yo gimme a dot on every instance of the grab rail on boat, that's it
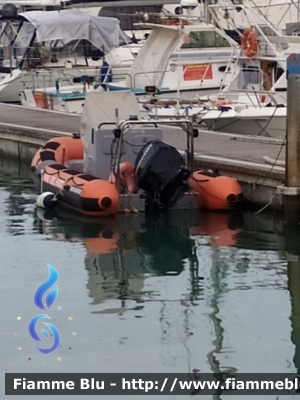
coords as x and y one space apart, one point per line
123 126
149 72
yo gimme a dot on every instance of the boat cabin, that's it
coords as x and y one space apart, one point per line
194 55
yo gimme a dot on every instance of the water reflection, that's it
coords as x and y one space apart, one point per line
124 250
20 194
270 231
294 288
220 286
218 229
264 231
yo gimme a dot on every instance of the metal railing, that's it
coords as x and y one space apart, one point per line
135 76
123 126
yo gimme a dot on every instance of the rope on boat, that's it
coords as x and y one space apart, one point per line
264 128
274 163
275 196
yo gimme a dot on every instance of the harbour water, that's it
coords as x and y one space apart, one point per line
212 292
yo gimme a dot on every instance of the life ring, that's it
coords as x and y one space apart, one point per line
249 43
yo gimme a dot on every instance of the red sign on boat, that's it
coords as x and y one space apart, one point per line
197 72
41 100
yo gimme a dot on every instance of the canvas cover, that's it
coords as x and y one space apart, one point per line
67 25
100 106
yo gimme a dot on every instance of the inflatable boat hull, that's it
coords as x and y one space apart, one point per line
95 197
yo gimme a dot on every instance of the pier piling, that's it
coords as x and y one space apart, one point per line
291 191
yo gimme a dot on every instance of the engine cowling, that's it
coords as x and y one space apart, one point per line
160 172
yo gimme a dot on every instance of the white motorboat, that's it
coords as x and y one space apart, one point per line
254 101
71 99
256 121
246 109
39 48
180 55
68 99
187 56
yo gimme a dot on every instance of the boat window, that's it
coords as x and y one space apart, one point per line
278 72
9 31
130 15
205 39
2 27
250 78
8 54
76 51
22 40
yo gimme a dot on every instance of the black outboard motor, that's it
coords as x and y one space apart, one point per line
159 172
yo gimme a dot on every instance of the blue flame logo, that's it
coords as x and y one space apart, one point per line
49 300
42 289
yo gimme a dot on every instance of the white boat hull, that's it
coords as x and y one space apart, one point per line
18 80
53 101
266 121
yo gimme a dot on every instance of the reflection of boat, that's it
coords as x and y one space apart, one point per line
221 228
236 281
125 166
122 251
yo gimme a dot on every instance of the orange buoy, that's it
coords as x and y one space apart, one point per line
126 175
249 43
215 192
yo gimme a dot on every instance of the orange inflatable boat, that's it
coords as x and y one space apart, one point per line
155 176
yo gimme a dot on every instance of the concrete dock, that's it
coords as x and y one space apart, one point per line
24 130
